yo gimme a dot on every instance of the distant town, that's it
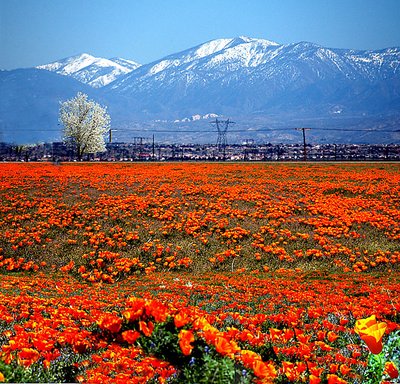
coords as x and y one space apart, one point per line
246 151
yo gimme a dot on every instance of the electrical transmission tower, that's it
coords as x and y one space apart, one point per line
222 127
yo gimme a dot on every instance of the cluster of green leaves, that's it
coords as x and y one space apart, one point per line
203 365
65 369
374 373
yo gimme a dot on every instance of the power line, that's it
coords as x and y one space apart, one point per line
232 130
257 130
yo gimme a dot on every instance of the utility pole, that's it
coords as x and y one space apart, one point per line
110 135
248 148
138 143
304 141
153 148
222 127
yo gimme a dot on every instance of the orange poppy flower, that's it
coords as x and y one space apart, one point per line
314 379
28 356
391 370
225 347
146 328
332 336
371 332
344 369
333 368
110 323
157 310
186 338
289 370
135 309
130 336
264 370
181 319
249 357
333 379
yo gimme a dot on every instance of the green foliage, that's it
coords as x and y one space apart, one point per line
14 373
203 365
62 370
374 373
267 353
375 368
210 368
163 343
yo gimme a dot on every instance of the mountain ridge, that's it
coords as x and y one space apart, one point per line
259 75
260 83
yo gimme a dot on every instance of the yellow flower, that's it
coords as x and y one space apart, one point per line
371 332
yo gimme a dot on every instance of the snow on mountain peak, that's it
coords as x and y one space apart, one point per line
215 46
237 51
211 47
263 42
125 63
95 71
246 39
245 51
70 65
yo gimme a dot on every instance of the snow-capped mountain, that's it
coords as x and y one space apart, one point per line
258 83
246 75
216 57
94 71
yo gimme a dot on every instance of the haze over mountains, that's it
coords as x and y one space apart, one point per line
266 87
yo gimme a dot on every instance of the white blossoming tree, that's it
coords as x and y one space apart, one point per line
85 124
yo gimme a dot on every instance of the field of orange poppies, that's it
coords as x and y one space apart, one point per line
199 273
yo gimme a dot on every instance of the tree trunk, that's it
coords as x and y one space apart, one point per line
79 151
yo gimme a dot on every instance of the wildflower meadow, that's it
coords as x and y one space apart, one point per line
200 272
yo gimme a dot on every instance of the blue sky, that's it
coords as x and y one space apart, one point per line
34 32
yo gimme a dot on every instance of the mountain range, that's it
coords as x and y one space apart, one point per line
267 88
